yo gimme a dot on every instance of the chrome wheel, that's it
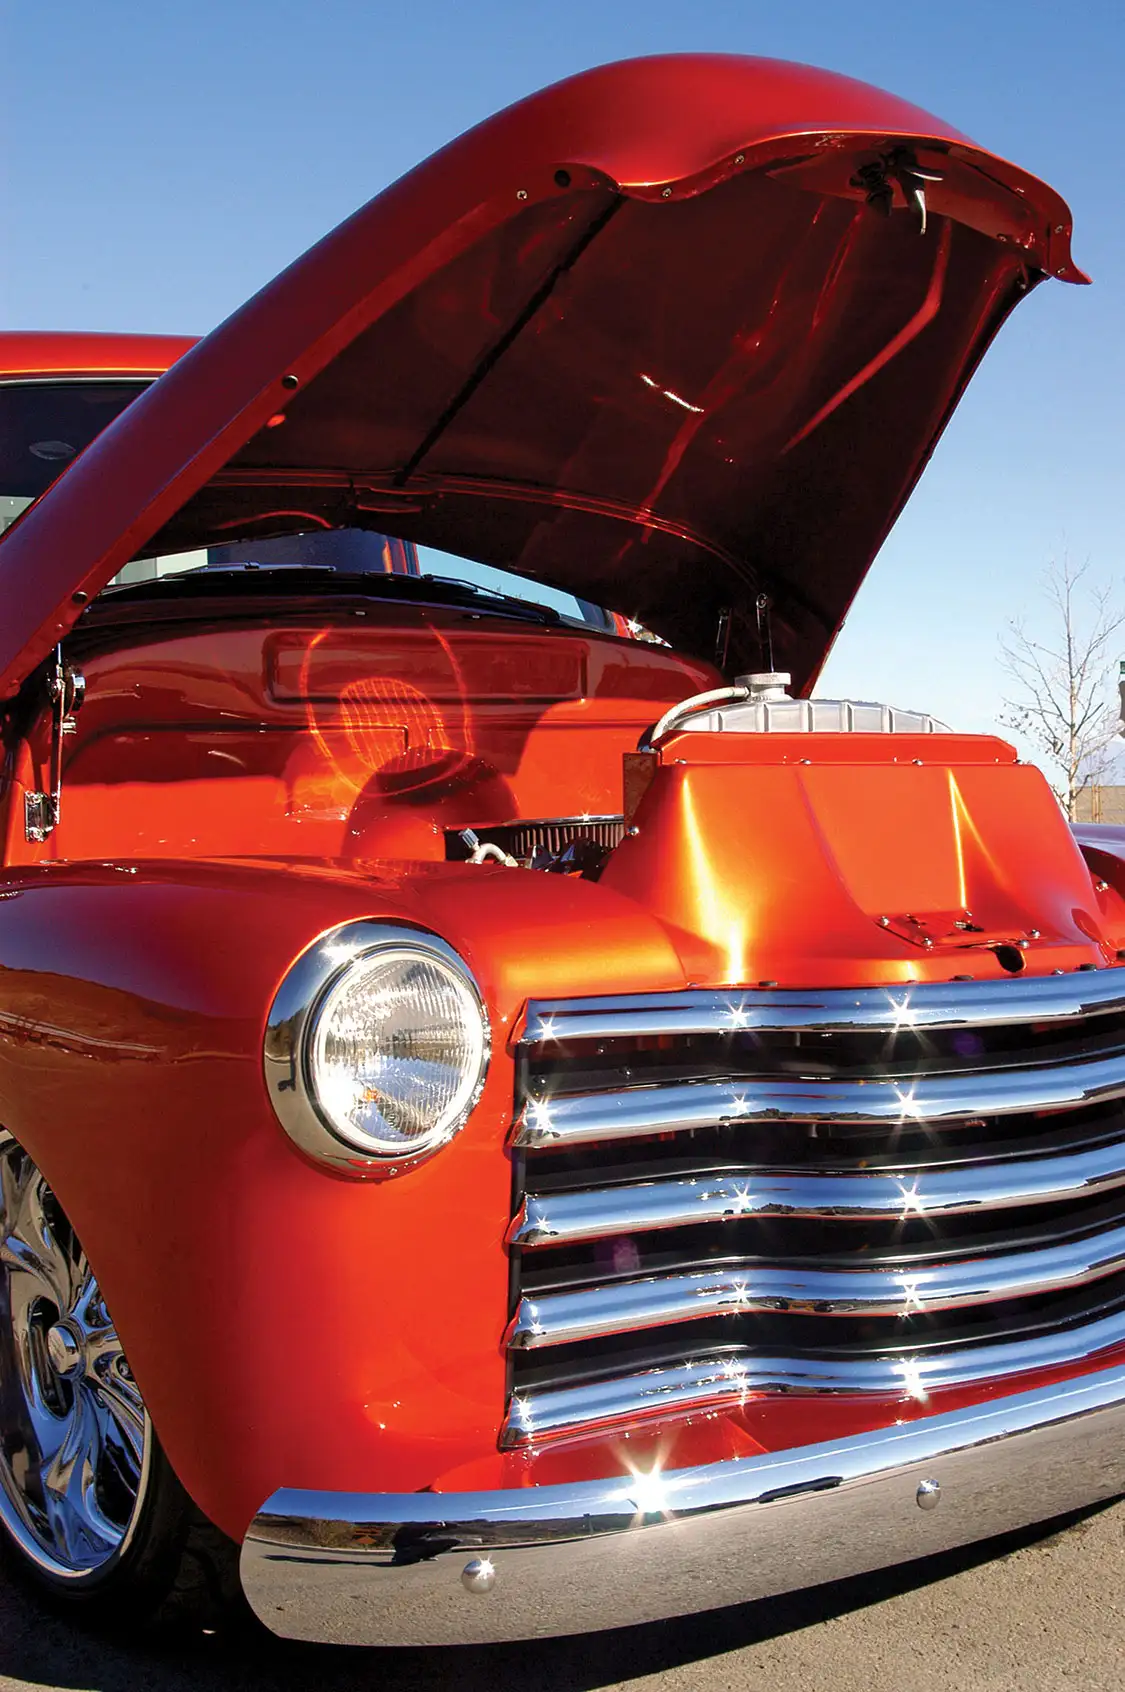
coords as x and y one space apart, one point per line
75 1441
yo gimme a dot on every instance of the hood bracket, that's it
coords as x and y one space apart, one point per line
898 168
66 689
494 354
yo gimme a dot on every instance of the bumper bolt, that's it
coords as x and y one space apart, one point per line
929 1495
479 1575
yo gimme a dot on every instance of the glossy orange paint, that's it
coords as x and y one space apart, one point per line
825 859
356 735
132 1072
48 353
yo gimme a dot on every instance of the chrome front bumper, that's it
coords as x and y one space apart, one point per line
430 1568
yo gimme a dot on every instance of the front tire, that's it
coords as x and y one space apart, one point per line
91 1513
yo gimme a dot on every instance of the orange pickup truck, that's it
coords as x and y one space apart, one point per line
507 1127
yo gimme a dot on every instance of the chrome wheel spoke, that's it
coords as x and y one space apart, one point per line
31 1422
43 1428
11 1168
119 1404
104 1356
29 1242
70 1493
86 1302
17 1254
35 1234
73 1429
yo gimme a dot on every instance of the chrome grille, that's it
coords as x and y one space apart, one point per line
729 1194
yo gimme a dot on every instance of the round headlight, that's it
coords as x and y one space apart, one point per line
376 1048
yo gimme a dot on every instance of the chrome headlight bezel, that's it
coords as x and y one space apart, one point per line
292 1024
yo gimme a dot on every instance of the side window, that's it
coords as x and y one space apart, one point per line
44 425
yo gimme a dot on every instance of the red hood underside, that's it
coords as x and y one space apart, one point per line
671 336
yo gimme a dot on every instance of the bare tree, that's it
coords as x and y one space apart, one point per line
1062 699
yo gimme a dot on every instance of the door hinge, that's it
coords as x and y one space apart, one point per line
66 689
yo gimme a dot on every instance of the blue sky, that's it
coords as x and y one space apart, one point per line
159 163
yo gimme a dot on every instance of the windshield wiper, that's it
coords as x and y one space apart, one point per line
235 580
547 612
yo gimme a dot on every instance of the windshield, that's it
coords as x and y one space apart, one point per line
44 424
324 557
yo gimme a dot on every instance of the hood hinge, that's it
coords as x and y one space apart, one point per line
66 689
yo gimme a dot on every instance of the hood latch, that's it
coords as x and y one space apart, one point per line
66 689
898 168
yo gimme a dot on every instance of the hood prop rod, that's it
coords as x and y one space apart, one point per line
66 689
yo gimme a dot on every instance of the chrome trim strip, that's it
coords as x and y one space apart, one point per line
581 820
748 1285
940 1004
682 1106
84 378
546 1219
718 1380
439 1568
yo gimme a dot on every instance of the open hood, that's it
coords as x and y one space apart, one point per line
676 335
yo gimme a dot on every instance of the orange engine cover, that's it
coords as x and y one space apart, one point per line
809 859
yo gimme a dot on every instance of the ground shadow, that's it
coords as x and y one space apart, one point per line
39 1649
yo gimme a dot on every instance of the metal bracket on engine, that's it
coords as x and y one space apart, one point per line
66 690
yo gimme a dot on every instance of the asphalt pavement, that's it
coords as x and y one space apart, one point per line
1039 1611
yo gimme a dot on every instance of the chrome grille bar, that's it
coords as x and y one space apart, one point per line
962 1196
945 1004
567 1218
749 1286
736 1376
684 1106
